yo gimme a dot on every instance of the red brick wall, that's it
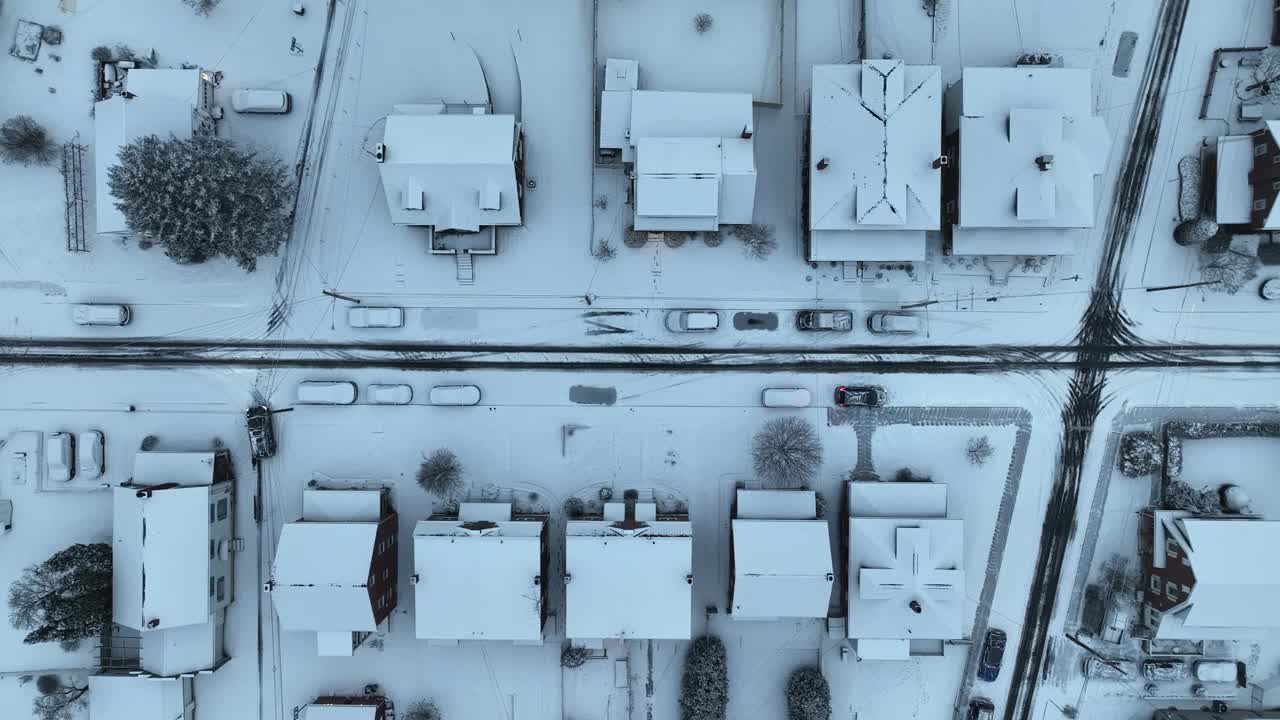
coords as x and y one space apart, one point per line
383 573
1264 177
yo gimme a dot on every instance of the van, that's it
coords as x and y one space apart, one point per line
785 397
101 314
888 322
326 392
246 100
455 395
59 454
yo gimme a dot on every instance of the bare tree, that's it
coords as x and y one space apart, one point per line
57 701
760 240
23 140
604 251
1228 270
65 598
423 710
702 22
202 7
979 450
786 452
441 473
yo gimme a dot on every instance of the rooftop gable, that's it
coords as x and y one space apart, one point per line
782 568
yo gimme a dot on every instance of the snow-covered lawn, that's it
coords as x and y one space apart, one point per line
1242 461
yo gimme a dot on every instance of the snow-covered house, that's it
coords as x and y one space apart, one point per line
163 102
628 576
1247 179
906 570
481 576
781 562
454 171
123 696
1208 578
874 167
691 154
336 707
172 570
335 569
1025 149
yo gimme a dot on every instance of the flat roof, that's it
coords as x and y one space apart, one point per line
777 504
1237 579
321 576
118 122
184 468
1233 194
340 712
342 505
478 584
897 499
135 697
782 568
656 113
894 562
628 586
181 84
160 557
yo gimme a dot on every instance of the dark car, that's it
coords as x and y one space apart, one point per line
992 654
981 709
860 396
825 320
262 436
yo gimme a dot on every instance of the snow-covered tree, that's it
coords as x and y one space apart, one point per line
202 7
702 22
1228 270
786 452
704 689
203 198
1141 453
979 450
57 701
759 240
808 695
65 598
423 710
440 473
25 141
1181 496
574 656
1190 233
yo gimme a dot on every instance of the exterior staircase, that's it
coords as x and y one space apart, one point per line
466 268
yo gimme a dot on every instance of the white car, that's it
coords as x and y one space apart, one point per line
59 456
692 320
326 392
455 395
893 323
89 458
390 394
375 317
1216 671
101 314
246 100
786 397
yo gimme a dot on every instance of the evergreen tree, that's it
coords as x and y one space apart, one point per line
704 689
203 198
808 695
65 598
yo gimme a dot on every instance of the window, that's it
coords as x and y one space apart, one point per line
386 574
1259 150
1275 185
222 588
1260 204
210 514
392 540
1171 547
1171 590
381 547
212 549
1155 583
210 587
1275 159
222 509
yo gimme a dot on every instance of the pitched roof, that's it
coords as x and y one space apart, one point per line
894 562
321 576
656 113
118 122
1237 581
160 557
782 568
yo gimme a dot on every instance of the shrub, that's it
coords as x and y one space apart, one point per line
23 140
573 656
102 54
635 238
808 695
423 710
712 238
440 473
1181 496
604 251
906 474
704 689
574 508
786 452
674 240
702 22
149 443
1226 269
51 35
759 240
606 494
202 7
979 450
601 202
1140 454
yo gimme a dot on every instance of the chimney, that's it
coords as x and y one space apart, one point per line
940 162
915 607
746 132
823 164
1044 162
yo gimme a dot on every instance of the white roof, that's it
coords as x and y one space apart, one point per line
1237 575
628 586
1233 195
782 568
185 649
478 584
321 576
896 561
777 504
118 122
621 74
1009 118
451 171
340 712
160 557
183 468
879 125
689 114
135 697
169 83
342 505
620 78
897 499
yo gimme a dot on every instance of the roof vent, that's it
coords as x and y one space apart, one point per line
1044 162
480 527
823 164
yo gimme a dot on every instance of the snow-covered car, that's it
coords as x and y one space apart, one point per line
248 100
1117 622
262 435
860 396
1164 670
59 456
454 395
326 392
888 322
682 321
101 314
89 457
1116 670
1216 671
390 394
785 397
824 320
375 317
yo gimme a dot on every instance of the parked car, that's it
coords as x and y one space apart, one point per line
6 516
262 433
454 395
248 100
1117 670
992 655
89 455
390 394
893 323
1222 671
1164 670
860 396
1117 622
828 320
785 397
981 709
59 456
326 392
360 316
101 314
692 320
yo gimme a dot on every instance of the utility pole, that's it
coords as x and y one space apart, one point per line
340 296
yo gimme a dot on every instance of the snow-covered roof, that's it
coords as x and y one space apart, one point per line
1030 148
656 113
878 125
160 557
620 78
781 568
170 83
183 468
118 122
136 697
451 171
342 505
1233 196
185 649
776 504
340 712
478 580
897 499
321 576
633 585
1273 216
1237 581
